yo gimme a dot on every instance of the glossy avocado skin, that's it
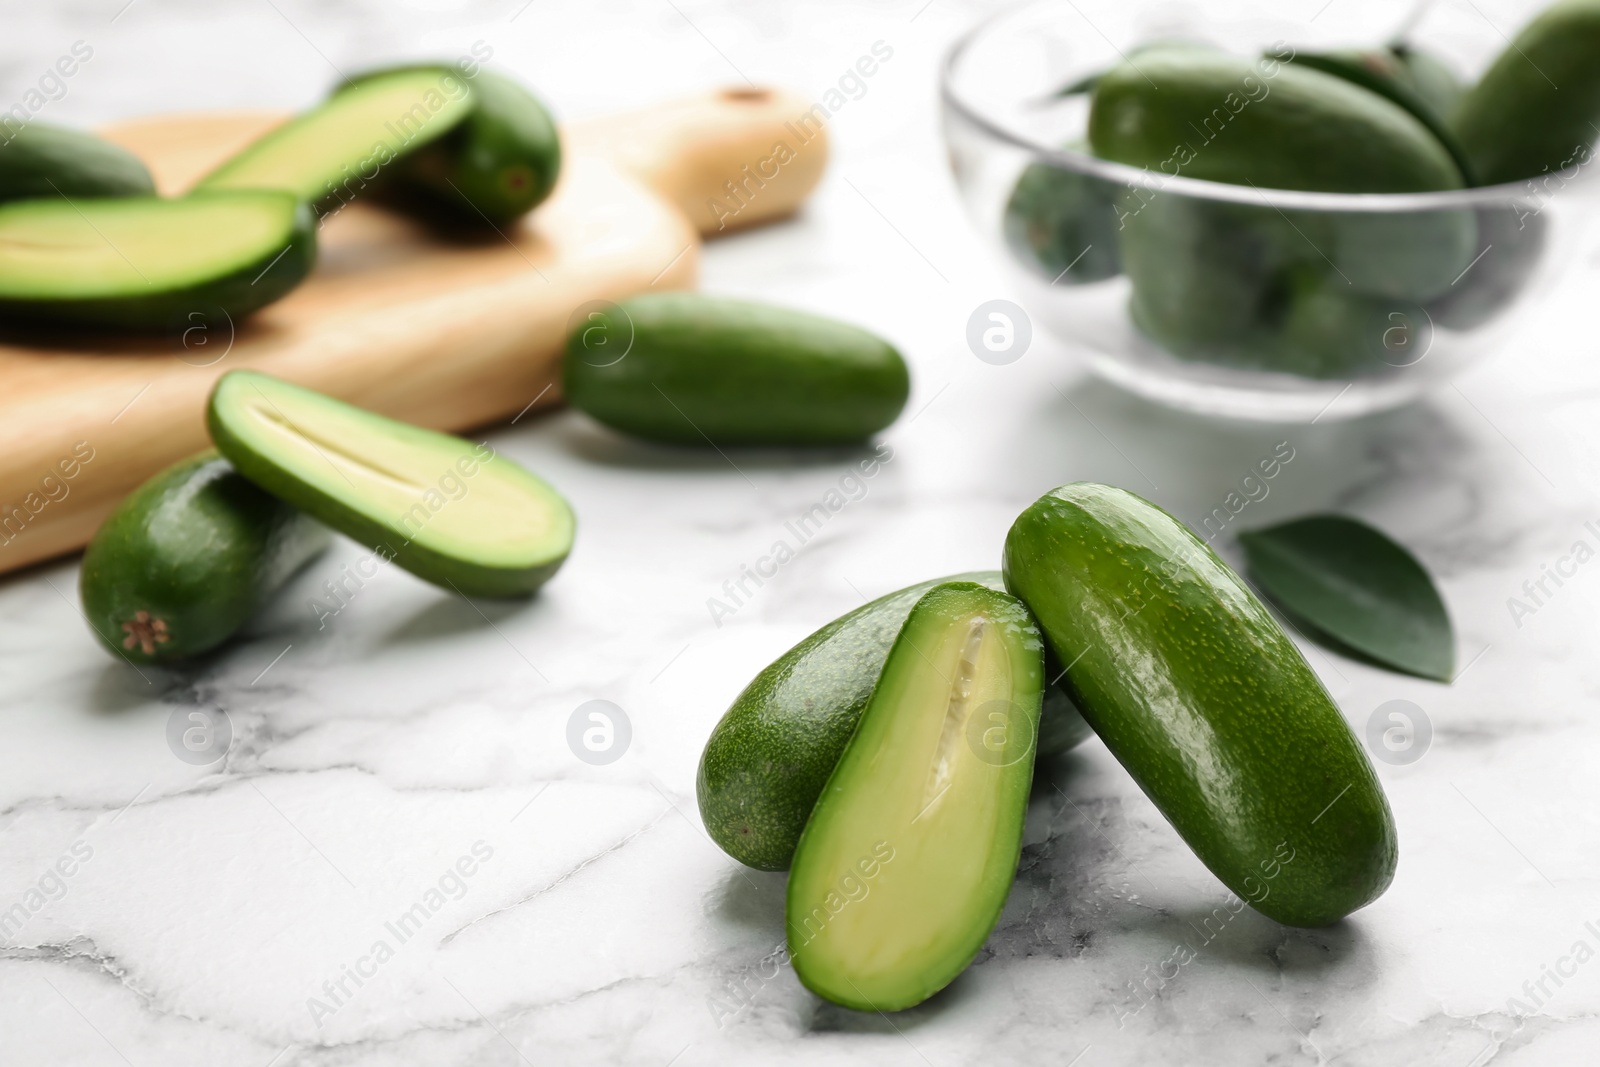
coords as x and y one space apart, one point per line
1222 118
500 163
1317 294
236 294
681 368
188 558
40 160
496 165
768 758
1535 109
1197 691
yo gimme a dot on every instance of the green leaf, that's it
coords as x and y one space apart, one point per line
1355 588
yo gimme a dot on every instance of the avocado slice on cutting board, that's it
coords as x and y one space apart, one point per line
447 510
187 558
144 263
1199 693
911 851
338 149
44 161
771 753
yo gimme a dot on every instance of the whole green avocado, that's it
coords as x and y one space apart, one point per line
1537 107
1198 692
187 558
1203 113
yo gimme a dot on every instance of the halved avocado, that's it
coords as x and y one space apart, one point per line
42 161
335 151
144 262
447 510
911 851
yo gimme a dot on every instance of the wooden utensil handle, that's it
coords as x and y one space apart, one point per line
728 159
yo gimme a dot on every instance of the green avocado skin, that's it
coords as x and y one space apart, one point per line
1415 80
768 759
1208 704
1063 226
51 161
496 165
681 368
197 550
1535 109
236 294
1200 113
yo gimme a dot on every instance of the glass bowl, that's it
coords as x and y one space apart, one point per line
1225 299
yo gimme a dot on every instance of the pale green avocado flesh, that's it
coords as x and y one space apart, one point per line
334 150
450 511
910 853
144 262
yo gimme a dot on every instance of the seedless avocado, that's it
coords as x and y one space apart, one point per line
1062 225
145 263
1415 80
43 161
1537 106
334 152
770 755
681 368
911 851
1223 118
1429 76
495 165
1197 691
187 558
448 511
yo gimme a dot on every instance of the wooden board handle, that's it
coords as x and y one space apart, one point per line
728 159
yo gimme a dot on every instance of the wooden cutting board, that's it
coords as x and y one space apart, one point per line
447 333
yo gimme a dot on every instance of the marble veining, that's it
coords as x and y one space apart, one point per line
234 913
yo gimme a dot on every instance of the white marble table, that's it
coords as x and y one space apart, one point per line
413 750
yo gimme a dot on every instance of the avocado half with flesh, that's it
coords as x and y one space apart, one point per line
770 755
449 511
335 151
145 263
908 858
